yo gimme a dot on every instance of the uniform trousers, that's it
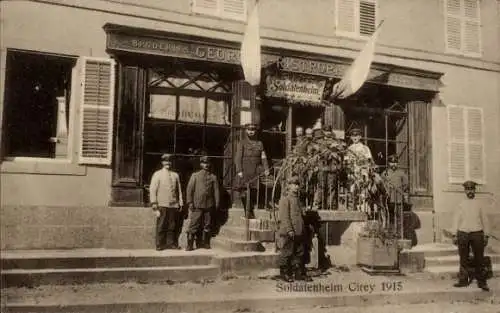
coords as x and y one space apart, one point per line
166 227
201 221
292 252
466 241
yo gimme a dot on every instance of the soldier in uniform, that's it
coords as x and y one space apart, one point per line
250 158
165 194
203 198
292 231
397 186
472 229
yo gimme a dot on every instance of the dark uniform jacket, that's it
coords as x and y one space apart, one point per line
249 161
203 190
396 183
290 215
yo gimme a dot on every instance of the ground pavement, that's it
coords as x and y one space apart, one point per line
348 289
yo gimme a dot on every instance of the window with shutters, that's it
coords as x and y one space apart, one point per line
356 18
466 144
226 9
96 111
37 121
463 27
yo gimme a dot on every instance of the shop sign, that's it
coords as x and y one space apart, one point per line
295 89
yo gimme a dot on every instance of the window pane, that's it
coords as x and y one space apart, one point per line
33 83
192 109
189 139
218 111
162 107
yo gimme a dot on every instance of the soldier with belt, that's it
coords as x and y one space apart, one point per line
396 182
202 197
292 231
250 158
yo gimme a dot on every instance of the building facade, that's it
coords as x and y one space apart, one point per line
94 92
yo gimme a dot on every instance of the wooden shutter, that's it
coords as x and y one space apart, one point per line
367 17
475 145
346 16
419 116
453 25
471 27
96 111
456 145
234 9
463 26
209 7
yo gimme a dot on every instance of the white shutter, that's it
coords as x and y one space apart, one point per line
453 25
456 145
209 7
346 16
463 26
96 111
472 27
234 9
475 145
367 17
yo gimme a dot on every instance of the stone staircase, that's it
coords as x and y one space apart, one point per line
232 236
440 260
134 259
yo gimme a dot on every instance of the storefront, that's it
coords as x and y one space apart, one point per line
184 95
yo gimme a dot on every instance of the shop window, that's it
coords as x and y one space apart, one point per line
466 144
356 17
189 115
463 27
228 9
37 105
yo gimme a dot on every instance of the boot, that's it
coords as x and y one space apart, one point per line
190 241
206 240
301 274
285 274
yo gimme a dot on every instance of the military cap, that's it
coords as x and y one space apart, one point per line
327 128
392 158
355 132
469 184
204 159
251 126
166 157
293 180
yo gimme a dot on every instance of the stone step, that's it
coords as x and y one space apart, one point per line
35 277
450 271
453 260
102 258
239 233
435 249
235 245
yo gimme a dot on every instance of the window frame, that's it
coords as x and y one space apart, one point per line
219 12
463 19
357 16
72 108
466 142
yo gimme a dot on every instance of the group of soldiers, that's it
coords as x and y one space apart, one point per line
202 197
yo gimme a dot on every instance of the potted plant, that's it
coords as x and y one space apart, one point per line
377 248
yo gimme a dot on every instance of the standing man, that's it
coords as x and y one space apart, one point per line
397 186
165 195
472 231
291 230
203 198
250 158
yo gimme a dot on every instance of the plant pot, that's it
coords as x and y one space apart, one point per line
374 252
